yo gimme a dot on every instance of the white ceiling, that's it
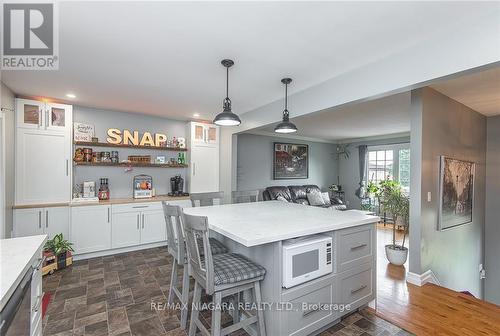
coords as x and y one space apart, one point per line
480 90
162 58
381 117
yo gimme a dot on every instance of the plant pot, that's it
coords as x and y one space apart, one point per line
396 254
61 260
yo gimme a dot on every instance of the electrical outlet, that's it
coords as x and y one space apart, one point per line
429 196
482 272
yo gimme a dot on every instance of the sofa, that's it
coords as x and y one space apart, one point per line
298 194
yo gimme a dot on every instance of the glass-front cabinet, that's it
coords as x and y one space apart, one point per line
205 133
43 115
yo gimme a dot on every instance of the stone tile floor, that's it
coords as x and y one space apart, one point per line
112 296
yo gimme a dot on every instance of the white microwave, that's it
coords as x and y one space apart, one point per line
305 259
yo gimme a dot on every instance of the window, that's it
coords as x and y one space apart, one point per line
380 165
390 161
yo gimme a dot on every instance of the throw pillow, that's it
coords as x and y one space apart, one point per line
315 198
326 198
282 199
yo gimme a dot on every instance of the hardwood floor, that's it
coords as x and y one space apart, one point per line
430 309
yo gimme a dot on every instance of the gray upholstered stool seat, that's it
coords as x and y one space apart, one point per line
215 246
231 268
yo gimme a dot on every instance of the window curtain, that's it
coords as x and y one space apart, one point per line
363 156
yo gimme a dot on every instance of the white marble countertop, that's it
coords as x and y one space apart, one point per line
17 255
259 223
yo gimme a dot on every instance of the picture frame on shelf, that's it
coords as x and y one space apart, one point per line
160 159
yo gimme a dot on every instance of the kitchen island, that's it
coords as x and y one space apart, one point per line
260 230
21 257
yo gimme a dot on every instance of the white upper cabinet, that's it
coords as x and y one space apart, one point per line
204 134
43 152
44 116
203 144
43 167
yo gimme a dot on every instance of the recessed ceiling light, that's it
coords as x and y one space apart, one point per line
70 95
196 115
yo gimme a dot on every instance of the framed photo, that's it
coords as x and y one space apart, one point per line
291 161
456 192
160 159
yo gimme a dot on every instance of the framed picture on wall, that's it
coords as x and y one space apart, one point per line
290 161
456 195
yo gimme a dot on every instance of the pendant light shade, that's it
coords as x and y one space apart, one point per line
286 126
227 117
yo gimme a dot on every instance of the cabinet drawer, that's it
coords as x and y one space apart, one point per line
355 246
134 207
356 286
310 311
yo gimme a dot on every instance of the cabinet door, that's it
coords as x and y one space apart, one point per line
28 222
212 134
198 133
204 169
42 167
154 228
29 113
90 228
58 117
57 221
126 229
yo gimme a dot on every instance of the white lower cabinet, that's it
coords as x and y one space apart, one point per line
135 224
125 229
37 221
91 228
153 227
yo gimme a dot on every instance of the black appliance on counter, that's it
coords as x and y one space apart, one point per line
177 186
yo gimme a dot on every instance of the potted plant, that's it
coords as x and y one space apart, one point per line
59 248
398 205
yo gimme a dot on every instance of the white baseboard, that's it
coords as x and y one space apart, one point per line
117 251
422 279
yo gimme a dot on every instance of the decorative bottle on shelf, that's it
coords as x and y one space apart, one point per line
103 189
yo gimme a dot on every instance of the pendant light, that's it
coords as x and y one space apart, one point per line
286 126
227 117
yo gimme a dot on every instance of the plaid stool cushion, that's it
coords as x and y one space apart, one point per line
215 245
231 268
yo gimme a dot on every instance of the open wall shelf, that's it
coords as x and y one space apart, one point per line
131 164
104 144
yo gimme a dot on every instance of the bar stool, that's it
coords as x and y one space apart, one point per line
221 275
177 249
245 196
206 199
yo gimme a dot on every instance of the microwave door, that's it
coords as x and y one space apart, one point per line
15 317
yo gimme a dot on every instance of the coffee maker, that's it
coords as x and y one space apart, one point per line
177 186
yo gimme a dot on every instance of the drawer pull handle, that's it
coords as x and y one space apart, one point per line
358 246
312 311
38 303
140 206
360 288
39 264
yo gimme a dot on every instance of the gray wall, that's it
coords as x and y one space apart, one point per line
255 163
349 168
119 180
492 233
452 129
7 100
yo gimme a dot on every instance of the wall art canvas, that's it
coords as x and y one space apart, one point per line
456 192
82 132
291 161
